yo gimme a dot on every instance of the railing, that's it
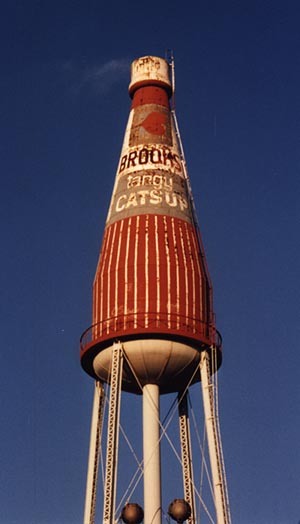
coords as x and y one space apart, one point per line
151 323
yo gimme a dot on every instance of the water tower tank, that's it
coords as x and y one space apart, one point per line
152 289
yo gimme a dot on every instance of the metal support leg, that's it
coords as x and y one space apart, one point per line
93 464
186 455
213 440
113 435
152 481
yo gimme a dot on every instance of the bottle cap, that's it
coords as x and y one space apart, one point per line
149 71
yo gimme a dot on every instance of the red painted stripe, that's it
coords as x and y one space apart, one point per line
150 95
168 288
141 278
173 273
153 266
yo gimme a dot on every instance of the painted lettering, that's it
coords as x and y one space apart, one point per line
131 158
147 180
182 202
153 197
177 162
142 195
143 156
156 196
134 181
132 200
171 199
120 204
123 163
156 180
154 155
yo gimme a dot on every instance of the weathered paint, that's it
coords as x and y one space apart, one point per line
151 281
150 268
149 70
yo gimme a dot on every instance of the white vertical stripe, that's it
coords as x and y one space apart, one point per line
147 271
185 274
168 273
95 308
136 246
116 310
109 278
177 274
187 230
198 255
157 268
100 316
126 272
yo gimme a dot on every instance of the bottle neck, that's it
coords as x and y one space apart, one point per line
150 95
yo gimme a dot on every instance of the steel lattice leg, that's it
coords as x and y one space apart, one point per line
93 464
186 455
213 440
113 435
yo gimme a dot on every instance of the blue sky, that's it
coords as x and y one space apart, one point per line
63 109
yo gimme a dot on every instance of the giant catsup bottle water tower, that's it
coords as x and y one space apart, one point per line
153 329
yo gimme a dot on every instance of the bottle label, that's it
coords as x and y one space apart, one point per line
150 177
150 192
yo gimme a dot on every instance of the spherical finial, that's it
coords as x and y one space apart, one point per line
132 514
179 510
